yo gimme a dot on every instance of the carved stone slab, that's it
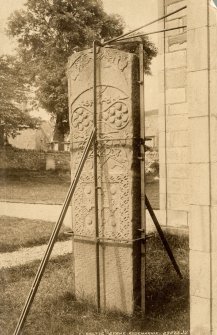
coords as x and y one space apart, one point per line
118 176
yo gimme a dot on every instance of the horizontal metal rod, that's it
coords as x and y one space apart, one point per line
150 33
94 239
145 25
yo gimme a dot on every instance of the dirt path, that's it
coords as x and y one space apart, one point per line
27 255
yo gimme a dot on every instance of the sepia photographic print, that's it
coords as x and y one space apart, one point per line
108 167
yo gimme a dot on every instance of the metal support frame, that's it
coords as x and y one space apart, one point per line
162 237
142 172
95 147
53 238
143 26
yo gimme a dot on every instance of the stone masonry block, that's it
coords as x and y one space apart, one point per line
163 171
118 176
213 90
200 274
177 155
199 225
162 139
179 39
200 191
163 185
200 316
177 123
176 78
214 316
214 228
176 59
212 16
198 93
177 46
213 46
177 109
163 201
178 201
199 20
178 138
170 2
175 95
178 171
214 276
199 139
177 218
197 38
214 184
178 186
173 7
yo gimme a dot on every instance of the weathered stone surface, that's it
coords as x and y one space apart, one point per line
199 238
176 78
198 93
199 20
198 39
178 171
176 59
177 155
200 188
178 186
173 7
177 123
199 132
118 176
178 201
177 218
178 39
177 109
200 316
213 46
200 274
178 138
175 95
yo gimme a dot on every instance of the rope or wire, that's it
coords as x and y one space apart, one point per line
145 25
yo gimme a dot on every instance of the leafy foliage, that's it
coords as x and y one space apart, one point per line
12 98
47 32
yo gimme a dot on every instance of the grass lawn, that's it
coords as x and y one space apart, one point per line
19 233
48 187
55 312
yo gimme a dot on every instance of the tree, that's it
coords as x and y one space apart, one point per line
47 32
12 99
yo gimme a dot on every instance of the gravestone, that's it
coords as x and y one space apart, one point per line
118 177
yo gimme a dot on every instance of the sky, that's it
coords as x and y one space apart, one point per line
134 12
132 15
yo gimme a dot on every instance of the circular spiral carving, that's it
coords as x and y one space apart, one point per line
117 115
81 119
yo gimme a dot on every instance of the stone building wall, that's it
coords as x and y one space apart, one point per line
173 116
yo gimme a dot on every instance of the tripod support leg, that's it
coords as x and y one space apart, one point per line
162 237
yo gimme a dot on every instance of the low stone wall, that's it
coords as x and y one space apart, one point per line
12 158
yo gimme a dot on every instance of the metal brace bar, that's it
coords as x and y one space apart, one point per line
145 25
162 237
